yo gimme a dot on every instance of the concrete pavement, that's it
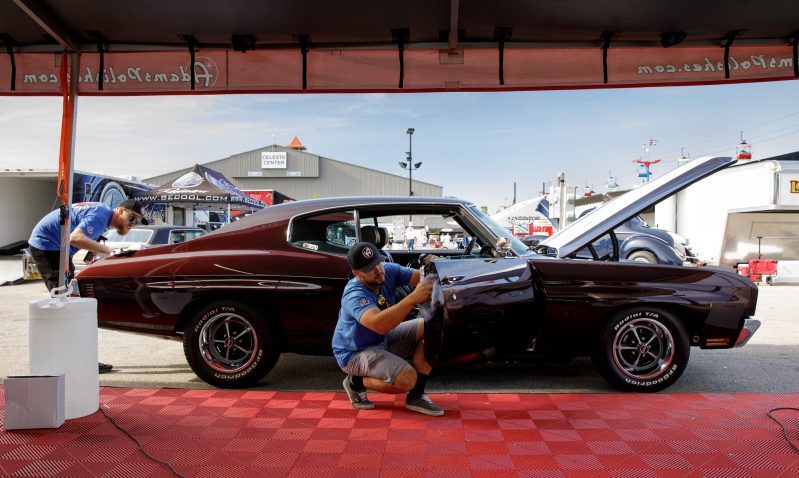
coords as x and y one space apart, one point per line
767 364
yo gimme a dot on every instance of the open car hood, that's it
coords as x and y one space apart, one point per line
598 222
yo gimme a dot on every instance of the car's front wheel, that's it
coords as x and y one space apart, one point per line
229 345
642 350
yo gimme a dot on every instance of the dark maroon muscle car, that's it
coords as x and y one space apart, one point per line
272 283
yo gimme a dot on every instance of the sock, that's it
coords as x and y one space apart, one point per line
357 383
418 390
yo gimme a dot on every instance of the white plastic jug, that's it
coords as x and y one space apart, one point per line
62 338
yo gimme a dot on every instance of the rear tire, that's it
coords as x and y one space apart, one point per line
645 349
643 256
229 345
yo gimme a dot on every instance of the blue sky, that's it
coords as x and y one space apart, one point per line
473 144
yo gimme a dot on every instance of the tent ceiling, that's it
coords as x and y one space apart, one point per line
359 23
250 46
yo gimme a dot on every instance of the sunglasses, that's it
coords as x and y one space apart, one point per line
132 217
382 303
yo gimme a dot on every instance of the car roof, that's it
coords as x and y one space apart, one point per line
289 210
160 227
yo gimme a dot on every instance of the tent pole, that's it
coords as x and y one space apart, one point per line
228 213
68 145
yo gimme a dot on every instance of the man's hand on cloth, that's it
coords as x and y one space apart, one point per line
122 252
128 251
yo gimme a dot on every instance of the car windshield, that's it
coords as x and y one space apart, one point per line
134 235
515 244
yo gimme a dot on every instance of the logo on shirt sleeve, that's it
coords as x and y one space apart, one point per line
90 230
364 301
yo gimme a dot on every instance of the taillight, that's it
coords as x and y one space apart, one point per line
748 330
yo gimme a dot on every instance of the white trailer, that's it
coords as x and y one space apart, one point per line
728 215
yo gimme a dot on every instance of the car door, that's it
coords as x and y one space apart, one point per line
489 304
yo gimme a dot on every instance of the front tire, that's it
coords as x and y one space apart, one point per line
229 345
642 350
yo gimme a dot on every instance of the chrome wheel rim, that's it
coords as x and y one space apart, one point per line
228 343
643 349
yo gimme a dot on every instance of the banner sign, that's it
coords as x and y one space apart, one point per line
789 189
281 71
273 160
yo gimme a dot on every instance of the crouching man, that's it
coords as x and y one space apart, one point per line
372 340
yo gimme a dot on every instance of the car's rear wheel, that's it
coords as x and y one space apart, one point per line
229 345
643 256
642 350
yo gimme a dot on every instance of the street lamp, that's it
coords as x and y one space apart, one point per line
410 166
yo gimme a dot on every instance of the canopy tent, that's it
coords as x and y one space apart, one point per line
201 188
526 217
240 46
130 47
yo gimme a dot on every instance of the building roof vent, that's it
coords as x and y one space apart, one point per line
295 144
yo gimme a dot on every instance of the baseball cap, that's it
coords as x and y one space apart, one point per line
136 207
364 256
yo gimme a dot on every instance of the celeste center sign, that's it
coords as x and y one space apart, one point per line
273 160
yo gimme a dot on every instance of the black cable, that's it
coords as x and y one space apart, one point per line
192 55
501 48
401 50
101 79
784 429
304 51
606 39
141 448
10 51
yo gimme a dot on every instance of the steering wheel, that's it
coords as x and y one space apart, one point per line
417 262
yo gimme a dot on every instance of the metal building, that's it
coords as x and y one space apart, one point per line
302 175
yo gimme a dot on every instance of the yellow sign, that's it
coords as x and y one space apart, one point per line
794 186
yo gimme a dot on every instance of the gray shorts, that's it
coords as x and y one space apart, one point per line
386 360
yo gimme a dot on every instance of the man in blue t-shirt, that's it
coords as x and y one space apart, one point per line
372 340
87 221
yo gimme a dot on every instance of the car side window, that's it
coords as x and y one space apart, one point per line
332 232
194 234
603 248
176 237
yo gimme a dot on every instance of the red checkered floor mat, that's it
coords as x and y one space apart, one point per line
222 433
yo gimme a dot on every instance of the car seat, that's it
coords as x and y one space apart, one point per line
377 236
383 240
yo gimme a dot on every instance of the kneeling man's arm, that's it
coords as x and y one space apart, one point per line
382 321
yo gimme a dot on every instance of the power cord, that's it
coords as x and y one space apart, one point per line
784 429
141 448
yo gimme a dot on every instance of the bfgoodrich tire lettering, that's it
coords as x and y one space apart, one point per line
229 345
643 350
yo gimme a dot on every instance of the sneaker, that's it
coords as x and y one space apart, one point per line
424 405
104 367
358 399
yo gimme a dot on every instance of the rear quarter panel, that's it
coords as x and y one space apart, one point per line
155 290
579 296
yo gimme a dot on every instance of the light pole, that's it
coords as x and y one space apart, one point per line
410 166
